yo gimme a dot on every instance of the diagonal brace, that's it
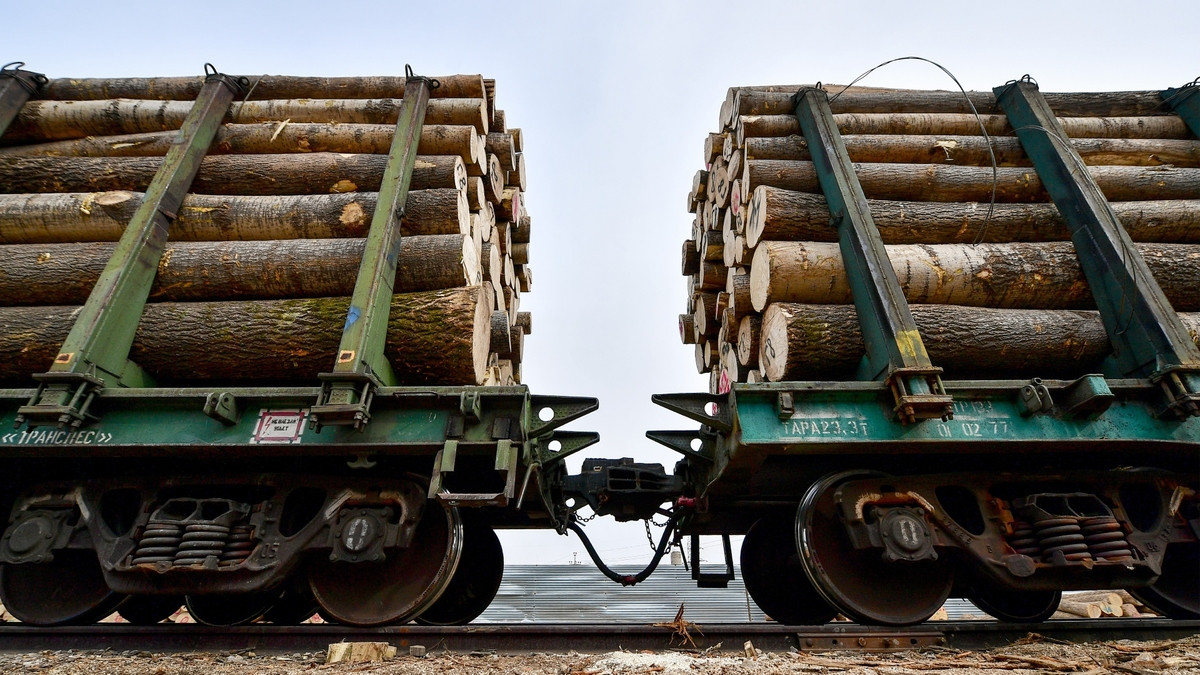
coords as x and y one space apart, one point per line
95 353
1147 337
895 352
361 366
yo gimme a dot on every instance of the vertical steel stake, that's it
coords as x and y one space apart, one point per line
1147 336
361 366
96 351
895 352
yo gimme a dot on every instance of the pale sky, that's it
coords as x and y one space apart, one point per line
614 100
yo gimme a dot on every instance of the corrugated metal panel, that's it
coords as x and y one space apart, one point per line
581 594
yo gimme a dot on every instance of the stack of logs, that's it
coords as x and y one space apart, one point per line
255 280
768 296
1101 604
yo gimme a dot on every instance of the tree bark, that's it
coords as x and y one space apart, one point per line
265 138
931 182
921 124
749 340
434 338
64 274
777 100
102 216
265 87
1019 276
785 215
61 120
817 342
974 150
286 174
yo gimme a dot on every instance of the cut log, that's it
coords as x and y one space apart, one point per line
101 216
520 230
501 342
61 120
493 186
816 342
689 258
738 286
509 207
920 124
941 183
687 329
265 87
974 150
1021 276
1087 610
287 174
777 99
749 334
64 274
270 138
500 144
786 215
434 338
516 177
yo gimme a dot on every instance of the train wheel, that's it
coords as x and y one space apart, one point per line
1176 593
399 588
230 609
475 581
67 590
859 582
292 608
147 610
1012 606
774 577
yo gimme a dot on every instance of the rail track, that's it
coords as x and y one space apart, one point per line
508 638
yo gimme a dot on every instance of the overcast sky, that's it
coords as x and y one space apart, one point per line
615 99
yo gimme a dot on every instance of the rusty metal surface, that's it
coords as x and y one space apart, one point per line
169 638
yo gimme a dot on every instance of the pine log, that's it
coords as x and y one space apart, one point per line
64 274
705 314
1169 127
749 340
520 230
287 174
689 258
520 254
1087 610
516 177
974 150
270 138
931 182
712 246
777 100
102 216
698 353
501 342
434 338
687 329
493 185
265 87
786 215
509 207
490 261
61 120
817 342
525 322
738 286
1018 276
500 144
714 145
476 197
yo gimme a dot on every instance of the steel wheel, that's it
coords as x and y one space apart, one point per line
1176 593
228 609
292 608
857 582
147 610
475 581
399 588
774 577
1013 606
67 590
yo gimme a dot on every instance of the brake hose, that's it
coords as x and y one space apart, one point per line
625 579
